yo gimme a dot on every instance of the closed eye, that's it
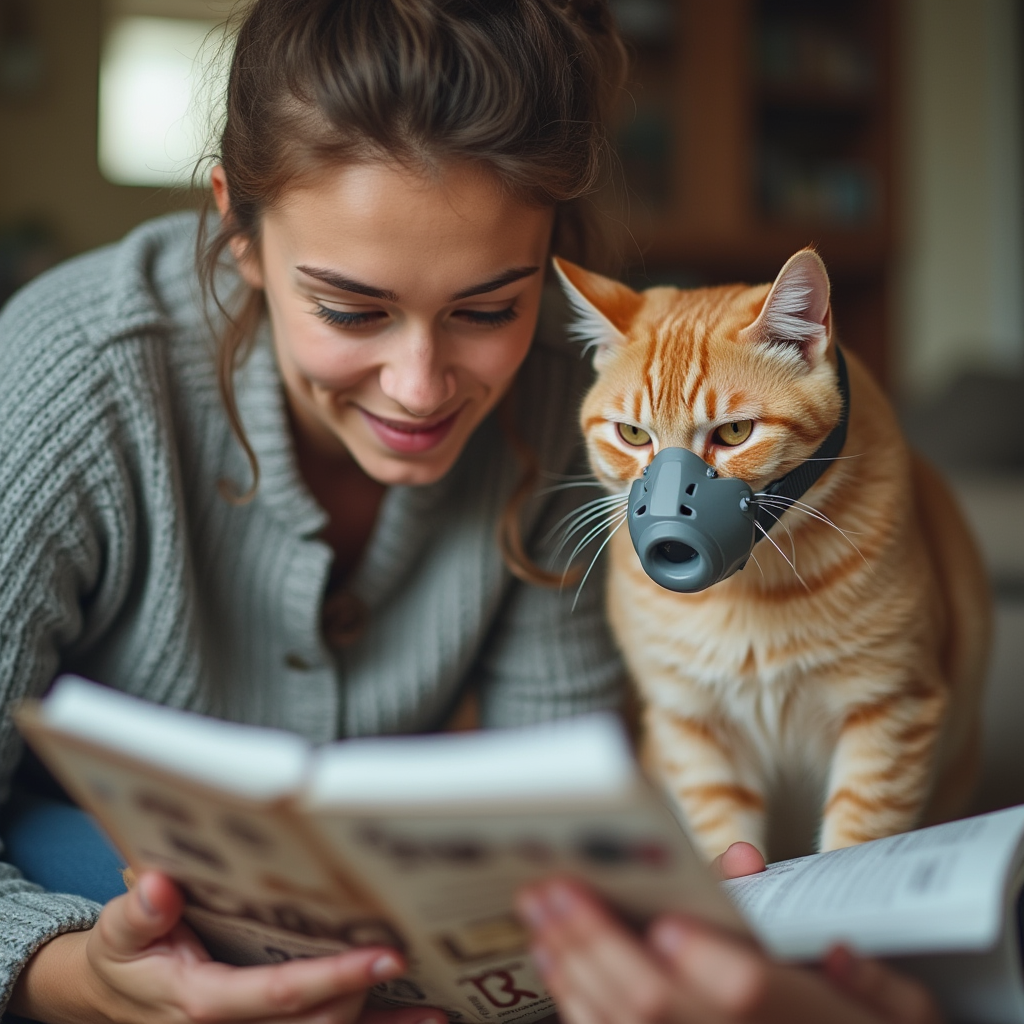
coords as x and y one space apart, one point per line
339 318
478 317
488 318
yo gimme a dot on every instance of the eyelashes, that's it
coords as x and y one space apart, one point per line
338 318
497 318
477 317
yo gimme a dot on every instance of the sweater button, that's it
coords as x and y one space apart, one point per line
342 620
297 662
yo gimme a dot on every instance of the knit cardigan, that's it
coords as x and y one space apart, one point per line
121 561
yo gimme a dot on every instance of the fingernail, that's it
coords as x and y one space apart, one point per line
385 967
531 908
433 1020
668 938
542 959
561 900
144 901
841 965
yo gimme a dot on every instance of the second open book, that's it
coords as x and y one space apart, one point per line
421 842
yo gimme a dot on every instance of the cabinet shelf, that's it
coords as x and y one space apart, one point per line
760 127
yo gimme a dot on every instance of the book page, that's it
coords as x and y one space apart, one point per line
417 843
254 762
575 757
450 875
941 888
256 891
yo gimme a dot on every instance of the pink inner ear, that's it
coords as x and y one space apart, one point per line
796 310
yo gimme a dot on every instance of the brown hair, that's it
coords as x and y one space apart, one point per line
524 87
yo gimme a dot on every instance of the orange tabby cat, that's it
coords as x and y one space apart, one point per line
855 658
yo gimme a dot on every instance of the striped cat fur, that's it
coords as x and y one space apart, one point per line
852 648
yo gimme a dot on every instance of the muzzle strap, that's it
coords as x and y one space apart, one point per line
800 480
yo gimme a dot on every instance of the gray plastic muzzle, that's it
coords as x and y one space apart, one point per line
690 527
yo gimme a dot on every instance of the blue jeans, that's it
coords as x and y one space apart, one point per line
59 847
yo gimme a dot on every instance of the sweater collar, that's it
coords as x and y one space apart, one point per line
259 392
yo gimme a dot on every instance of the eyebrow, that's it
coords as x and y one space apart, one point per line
515 274
347 284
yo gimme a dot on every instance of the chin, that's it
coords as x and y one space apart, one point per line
395 470
419 469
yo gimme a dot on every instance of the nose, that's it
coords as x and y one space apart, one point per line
416 375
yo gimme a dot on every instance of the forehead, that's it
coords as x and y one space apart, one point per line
390 221
684 356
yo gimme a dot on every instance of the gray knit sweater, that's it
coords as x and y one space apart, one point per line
119 560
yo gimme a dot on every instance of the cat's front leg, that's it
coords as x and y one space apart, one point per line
701 763
883 766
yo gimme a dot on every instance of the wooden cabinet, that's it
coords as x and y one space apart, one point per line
754 128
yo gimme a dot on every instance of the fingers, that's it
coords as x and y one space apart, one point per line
350 1010
148 958
740 859
130 923
216 992
894 997
736 982
597 971
345 1010
409 1015
726 972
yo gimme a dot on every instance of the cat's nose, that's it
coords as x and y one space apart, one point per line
690 527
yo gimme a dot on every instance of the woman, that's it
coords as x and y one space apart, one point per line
287 515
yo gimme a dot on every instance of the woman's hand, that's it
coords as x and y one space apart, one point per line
140 962
689 973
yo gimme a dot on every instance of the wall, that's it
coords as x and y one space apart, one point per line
50 172
962 280
961 287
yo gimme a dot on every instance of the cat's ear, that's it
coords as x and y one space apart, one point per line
604 309
796 316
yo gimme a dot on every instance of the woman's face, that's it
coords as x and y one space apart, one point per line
402 306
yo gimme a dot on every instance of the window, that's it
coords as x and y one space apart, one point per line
161 83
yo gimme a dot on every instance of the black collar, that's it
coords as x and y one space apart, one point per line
800 480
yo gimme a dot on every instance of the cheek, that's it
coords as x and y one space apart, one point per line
760 457
495 361
609 458
314 352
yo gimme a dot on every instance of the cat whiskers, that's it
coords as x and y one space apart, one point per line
611 533
570 484
783 553
837 458
793 504
785 526
605 523
579 517
758 564
608 512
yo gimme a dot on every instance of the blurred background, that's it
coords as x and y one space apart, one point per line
888 133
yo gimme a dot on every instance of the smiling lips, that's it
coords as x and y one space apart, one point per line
409 438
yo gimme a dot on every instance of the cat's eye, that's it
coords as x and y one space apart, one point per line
633 435
732 434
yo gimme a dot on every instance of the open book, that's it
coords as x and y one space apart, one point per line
418 843
940 903
421 842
